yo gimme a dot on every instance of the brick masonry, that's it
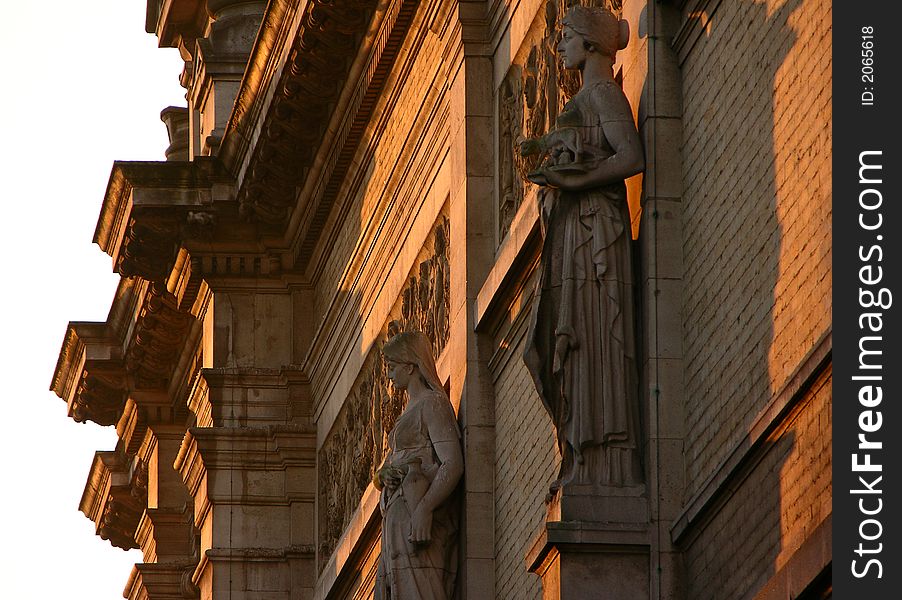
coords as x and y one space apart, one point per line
780 503
757 280
526 462
757 241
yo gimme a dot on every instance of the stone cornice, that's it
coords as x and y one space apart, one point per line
305 95
132 355
158 336
176 21
303 107
90 372
267 57
150 207
114 498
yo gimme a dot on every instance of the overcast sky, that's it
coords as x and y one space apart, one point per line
83 85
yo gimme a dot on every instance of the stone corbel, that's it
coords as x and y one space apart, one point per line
162 581
157 338
115 497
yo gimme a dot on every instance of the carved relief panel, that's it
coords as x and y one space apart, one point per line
358 440
529 100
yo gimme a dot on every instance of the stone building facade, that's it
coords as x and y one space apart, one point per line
346 169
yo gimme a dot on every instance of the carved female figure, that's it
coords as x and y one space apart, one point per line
424 464
581 347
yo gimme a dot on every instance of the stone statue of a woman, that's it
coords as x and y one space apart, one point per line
417 479
581 348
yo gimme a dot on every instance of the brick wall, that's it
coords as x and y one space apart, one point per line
526 462
756 174
784 498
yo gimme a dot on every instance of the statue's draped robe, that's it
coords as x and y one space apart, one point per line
407 571
584 296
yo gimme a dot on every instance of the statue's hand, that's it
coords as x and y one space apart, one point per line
546 177
389 477
420 526
561 350
553 178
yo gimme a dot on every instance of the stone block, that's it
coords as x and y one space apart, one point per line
661 238
663 139
663 326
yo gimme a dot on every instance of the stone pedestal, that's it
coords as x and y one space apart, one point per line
595 545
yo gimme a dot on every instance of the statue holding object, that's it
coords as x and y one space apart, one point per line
581 345
417 480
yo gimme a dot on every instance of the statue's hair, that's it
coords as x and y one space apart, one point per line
599 27
414 348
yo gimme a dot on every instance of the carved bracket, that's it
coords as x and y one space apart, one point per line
115 497
158 337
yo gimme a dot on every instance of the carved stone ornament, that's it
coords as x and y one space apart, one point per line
99 400
581 345
358 441
159 334
417 480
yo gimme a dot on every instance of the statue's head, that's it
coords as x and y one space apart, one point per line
413 349
599 28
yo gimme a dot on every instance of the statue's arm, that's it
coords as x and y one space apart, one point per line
387 476
443 431
626 161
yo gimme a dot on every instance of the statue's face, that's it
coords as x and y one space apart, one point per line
572 49
399 373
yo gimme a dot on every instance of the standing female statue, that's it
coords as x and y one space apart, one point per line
424 464
581 348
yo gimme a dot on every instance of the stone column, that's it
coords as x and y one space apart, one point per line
472 255
661 251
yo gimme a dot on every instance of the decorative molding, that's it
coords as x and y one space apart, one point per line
170 579
176 21
145 214
308 88
304 134
89 373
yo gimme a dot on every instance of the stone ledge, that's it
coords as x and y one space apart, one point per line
513 249
588 537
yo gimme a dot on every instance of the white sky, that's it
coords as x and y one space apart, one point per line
82 85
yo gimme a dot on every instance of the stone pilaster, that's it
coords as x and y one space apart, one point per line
219 64
253 504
